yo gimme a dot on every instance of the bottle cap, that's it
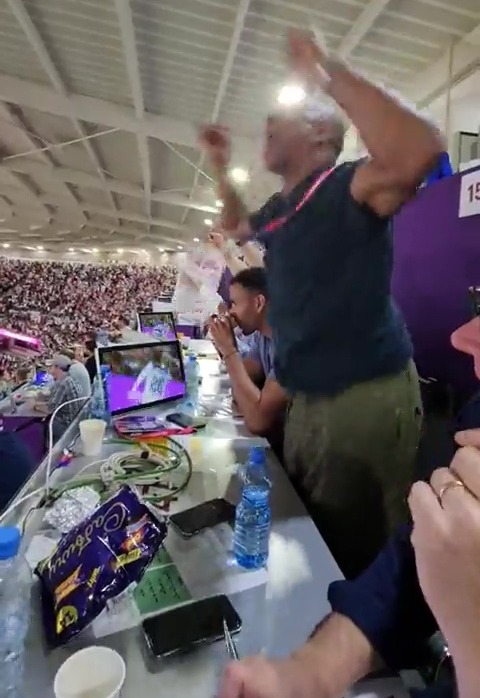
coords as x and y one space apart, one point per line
257 455
10 539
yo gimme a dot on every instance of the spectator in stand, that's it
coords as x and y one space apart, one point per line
78 371
65 389
91 363
61 302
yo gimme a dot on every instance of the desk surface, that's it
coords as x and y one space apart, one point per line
278 626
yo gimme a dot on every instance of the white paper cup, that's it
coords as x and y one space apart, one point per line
92 432
94 672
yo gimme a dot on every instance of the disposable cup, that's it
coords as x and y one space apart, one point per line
92 432
94 672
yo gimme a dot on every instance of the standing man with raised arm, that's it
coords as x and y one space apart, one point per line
342 351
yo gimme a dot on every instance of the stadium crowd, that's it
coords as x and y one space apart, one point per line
65 303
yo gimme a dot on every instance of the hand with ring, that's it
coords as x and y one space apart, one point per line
446 539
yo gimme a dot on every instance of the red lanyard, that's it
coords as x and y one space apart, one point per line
278 222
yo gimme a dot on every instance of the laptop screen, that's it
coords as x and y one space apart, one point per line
141 375
158 325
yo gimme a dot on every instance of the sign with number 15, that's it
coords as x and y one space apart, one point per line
470 195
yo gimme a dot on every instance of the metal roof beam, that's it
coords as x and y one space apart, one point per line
127 31
226 72
31 142
45 99
85 179
434 80
361 26
33 35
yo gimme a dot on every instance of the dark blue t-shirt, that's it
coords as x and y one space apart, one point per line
329 270
387 605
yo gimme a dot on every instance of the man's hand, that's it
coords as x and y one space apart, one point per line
215 140
257 677
222 335
446 539
306 56
217 239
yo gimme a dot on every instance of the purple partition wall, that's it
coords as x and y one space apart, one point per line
437 256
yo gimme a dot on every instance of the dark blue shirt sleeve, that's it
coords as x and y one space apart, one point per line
258 220
387 604
442 169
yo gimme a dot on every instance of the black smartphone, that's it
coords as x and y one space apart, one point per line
205 515
185 421
187 626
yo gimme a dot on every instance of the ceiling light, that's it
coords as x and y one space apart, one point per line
34 227
290 95
40 248
94 250
6 245
239 175
71 249
120 250
219 203
196 239
208 221
144 251
179 247
160 249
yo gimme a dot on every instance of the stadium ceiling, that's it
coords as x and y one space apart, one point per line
100 101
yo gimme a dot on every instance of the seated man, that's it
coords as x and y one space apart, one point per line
261 407
65 388
421 581
78 371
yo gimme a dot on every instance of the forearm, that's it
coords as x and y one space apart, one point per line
234 211
394 135
252 255
246 393
336 656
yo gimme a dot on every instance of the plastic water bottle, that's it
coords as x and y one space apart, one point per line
192 380
97 404
252 517
15 590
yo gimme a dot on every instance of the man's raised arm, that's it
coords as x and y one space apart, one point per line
403 146
215 140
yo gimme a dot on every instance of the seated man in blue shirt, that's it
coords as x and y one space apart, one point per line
425 578
262 407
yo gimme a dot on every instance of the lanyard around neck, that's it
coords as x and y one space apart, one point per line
278 222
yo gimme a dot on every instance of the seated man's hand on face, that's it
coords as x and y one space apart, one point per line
222 335
446 539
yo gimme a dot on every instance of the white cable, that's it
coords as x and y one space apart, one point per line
44 488
50 437
15 504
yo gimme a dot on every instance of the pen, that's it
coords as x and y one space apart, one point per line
229 642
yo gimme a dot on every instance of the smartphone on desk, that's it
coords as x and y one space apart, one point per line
185 627
206 515
185 421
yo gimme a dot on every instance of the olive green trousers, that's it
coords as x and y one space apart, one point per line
351 458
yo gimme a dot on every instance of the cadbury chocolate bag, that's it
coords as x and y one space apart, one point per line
96 561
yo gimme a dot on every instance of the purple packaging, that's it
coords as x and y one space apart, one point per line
96 561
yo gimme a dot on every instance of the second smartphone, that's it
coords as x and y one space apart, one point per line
206 515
